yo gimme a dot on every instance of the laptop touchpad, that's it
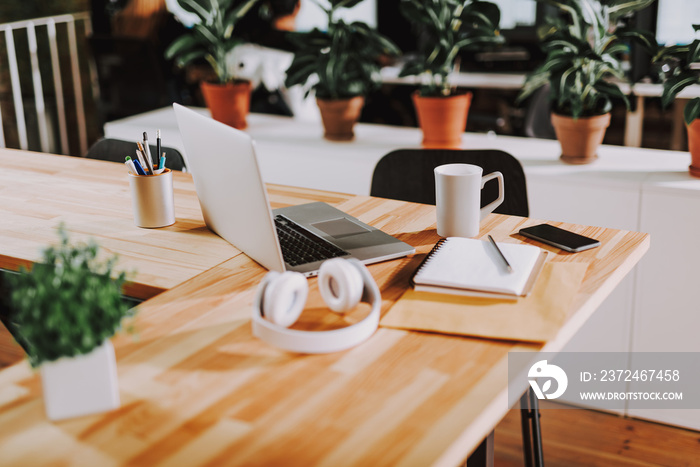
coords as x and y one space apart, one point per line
340 228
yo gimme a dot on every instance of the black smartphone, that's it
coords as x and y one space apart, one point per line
559 238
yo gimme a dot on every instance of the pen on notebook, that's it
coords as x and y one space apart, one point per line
500 254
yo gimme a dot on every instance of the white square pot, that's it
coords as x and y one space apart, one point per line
81 385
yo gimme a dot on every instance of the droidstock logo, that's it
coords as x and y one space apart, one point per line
542 371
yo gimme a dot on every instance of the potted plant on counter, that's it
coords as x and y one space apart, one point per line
211 37
448 26
341 65
680 72
65 310
583 45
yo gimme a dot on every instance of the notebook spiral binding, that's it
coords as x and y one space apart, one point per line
427 258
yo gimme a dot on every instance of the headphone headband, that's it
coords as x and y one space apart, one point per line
314 342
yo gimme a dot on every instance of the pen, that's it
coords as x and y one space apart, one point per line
147 149
157 142
145 160
500 253
139 169
139 158
161 164
130 164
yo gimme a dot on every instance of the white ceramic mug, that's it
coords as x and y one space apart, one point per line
458 197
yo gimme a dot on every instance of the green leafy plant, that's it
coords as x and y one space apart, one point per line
679 73
212 36
343 61
583 46
69 303
449 26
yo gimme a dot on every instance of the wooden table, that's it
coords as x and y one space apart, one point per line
198 389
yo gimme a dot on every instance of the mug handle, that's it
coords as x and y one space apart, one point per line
488 209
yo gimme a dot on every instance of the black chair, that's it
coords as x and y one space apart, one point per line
116 150
407 175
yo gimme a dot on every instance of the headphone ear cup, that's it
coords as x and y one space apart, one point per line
341 284
284 298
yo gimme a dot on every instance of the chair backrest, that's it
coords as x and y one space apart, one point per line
116 150
407 175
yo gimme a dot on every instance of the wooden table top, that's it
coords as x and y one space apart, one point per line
198 389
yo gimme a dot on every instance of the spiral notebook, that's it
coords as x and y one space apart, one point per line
466 266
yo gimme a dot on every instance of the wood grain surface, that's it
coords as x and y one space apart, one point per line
198 389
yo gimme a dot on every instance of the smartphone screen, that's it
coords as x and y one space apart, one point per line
559 238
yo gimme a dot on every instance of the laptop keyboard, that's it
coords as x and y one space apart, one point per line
299 246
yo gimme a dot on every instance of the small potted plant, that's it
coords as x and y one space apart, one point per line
341 65
583 45
448 27
679 73
211 37
64 312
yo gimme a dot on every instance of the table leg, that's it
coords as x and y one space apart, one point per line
532 436
634 123
483 455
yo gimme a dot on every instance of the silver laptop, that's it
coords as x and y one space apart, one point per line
234 202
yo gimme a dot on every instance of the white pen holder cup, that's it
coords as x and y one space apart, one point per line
458 197
152 199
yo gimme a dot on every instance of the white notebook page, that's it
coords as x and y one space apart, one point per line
475 264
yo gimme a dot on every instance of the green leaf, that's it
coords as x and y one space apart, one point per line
675 84
611 90
414 11
233 16
620 8
198 7
413 68
693 52
486 13
343 3
299 72
181 45
644 38
187 58
532 84
692 110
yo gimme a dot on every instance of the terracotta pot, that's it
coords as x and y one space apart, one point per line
339 117
580 138
229 103
694 147
442 119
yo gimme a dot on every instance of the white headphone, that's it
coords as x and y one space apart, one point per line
280 298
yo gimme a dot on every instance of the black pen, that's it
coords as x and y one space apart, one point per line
500 253
158 151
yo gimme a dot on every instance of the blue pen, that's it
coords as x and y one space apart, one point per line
139 169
